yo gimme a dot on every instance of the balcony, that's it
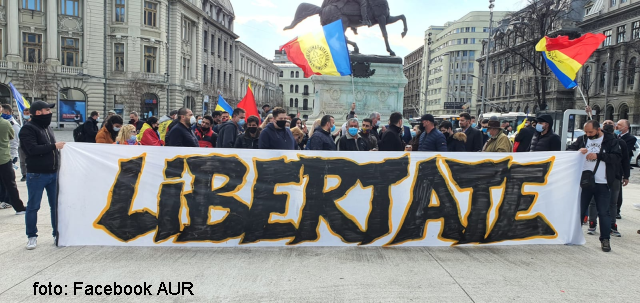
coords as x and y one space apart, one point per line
189 84
4 64
148 76
71 70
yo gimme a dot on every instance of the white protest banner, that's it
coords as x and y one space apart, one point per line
163 196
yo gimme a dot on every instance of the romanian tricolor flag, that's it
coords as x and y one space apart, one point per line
20 100
565 57
322 53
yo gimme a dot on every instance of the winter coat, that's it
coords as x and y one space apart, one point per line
321 140
371 140
273 138
523 139
631 143
90 130
247 142
208 139
350 143
39 146
456 143
433 141
391 140
227 134
499 144
104 136
474 140
547 142
151 137
611 156
180 135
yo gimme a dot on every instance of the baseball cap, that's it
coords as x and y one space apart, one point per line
39 105
428 117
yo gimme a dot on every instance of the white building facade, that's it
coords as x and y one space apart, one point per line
298 91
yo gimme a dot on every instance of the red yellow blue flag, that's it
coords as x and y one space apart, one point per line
565 57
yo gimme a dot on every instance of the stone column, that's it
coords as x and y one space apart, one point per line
13 31
194 52
636 80
52 32
622 81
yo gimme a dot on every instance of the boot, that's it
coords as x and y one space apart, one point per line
365 15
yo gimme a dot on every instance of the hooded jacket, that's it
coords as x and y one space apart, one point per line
273 138
498 144
456 143
611 156
227 134
351 143
321 140
39 146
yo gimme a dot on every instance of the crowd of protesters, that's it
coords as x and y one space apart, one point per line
35 145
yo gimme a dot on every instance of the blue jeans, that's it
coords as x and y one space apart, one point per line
36 184
602 195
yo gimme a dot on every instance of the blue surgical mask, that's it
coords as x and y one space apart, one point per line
484 130
378 123
353 131
474 125
241 122
617 132
117 129
333 128
413 134
489 134
200 122
539 128
26 117
132 139
6 117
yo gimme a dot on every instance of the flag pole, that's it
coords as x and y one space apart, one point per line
585 101
353 88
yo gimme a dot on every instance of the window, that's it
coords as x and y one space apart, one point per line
494 67
622 30
186 68
293 74
607 40
70 52
206 40
211 78
635 30
616 73
613 2
297 74
464 77
31 47
305 104
306 90
120 11
219 47
521 86
69 7
225 50
281 74
150 59
34 5
632 72
296 89
224 79
291 88
118 54
291 102
603 76
1 56
499 89
513 87
213 39
186 30
493 90
204 75
150 13
218 78
296 104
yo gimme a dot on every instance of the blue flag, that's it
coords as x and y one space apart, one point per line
223 106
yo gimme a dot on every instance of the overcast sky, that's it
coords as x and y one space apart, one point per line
259 23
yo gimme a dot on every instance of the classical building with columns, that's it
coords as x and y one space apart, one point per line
144 55
260 72
611 78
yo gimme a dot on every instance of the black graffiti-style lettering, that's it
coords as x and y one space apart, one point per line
427 181
270 173
169 201
203 197
116 219
508 226
479 177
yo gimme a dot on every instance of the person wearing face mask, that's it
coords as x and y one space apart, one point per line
456 142
321 138
366 135
151 136
43 160
276 135
484 127
204 132
198 124
603 154
109 132
127 135
251 136
498 142
415 141
545 139
351 141
181 134
522 141
229 131
135 120
375 125
432 139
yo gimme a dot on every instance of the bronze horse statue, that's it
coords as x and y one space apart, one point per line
350 13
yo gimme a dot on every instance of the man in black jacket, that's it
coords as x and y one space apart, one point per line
135 120
321 138
43 160
622 130
90 128
391 139
524 136
545 139
351 141
181 134
600 149
474 137
229 131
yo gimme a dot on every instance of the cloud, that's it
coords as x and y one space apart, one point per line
263 3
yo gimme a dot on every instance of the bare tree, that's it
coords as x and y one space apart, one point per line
40 79
538 19
132 92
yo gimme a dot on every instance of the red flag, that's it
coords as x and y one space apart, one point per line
248 103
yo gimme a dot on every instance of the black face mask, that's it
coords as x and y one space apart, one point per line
155 128
252 130
597 135
205 129
446 135
608 128
132 121
42 120
281 123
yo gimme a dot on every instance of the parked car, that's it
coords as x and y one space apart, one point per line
576 134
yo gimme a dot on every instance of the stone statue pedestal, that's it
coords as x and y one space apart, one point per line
378 86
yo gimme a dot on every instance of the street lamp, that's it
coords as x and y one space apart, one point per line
486 64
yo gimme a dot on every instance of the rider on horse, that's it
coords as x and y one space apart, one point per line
364 7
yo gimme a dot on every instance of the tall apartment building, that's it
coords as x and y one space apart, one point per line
143 55
413 71
450 72
611 78
299 92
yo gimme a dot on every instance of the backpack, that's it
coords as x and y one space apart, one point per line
78 134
